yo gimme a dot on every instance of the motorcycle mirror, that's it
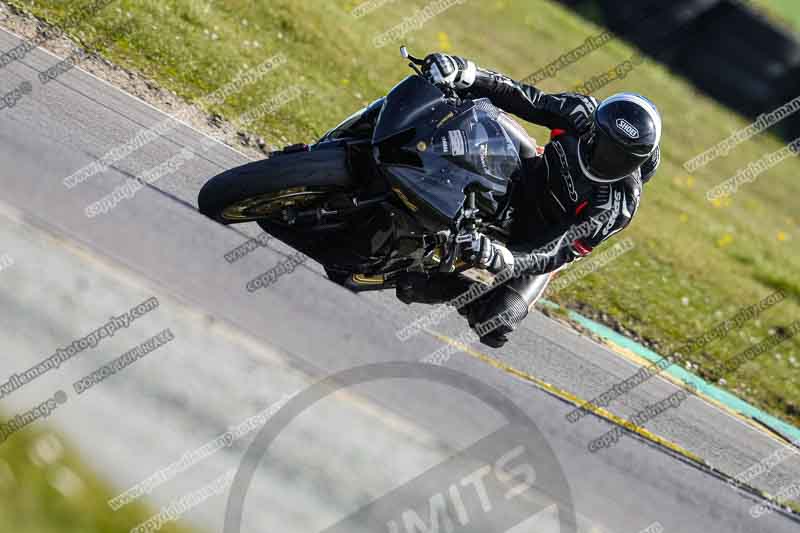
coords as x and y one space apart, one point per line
404 52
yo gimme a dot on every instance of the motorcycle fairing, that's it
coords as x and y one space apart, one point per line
356 124
414 103
448 152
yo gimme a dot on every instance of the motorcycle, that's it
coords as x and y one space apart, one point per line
403 185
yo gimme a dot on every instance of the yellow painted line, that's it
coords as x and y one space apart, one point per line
637 359
568 396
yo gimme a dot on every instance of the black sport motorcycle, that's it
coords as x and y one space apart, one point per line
402 185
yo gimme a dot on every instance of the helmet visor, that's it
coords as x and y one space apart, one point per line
609 161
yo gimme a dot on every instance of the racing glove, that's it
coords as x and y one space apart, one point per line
450 71
484 253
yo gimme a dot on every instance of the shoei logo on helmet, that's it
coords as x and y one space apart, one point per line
627 128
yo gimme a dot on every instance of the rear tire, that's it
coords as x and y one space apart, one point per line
248 193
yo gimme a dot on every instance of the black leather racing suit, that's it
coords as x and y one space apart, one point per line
557 213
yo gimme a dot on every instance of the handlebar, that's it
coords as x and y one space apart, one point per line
406 55
415 63
463 232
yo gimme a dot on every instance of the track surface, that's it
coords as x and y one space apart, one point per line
236 352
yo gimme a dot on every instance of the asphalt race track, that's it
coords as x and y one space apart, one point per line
235 353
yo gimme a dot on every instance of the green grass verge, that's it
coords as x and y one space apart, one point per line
786 11
44 488
694 262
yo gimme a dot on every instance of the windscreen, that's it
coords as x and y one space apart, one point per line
476 141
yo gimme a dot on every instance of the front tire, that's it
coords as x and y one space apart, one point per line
262 189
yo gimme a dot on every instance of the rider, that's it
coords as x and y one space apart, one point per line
590 175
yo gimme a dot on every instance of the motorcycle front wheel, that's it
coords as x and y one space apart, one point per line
262 190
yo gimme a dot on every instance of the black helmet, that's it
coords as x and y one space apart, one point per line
627 130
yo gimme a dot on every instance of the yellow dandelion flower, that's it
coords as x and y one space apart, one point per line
725 240
444 42
721 202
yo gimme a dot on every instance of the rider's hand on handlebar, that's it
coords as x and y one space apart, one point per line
484 253
450 71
